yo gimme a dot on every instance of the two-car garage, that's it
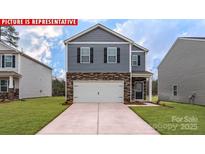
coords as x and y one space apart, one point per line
98 91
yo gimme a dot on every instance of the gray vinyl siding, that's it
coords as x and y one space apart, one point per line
98 64
134 48
98 35
184 66
142 63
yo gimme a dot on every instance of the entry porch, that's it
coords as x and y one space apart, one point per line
9 85
141 86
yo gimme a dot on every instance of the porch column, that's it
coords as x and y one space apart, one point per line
11 88
150 88
11 82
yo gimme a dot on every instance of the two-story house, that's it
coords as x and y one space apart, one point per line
182 72
105 66
22 76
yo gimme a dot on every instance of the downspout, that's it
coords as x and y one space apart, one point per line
130 70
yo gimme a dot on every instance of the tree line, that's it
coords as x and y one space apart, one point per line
9 35
58 87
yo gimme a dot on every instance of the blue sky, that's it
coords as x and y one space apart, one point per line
46 43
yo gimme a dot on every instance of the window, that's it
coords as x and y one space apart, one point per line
84 55
175 90
3 85
134 60
8 60
112 55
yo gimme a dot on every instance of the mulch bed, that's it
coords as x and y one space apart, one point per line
135 103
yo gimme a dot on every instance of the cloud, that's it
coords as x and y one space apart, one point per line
61 74
38 41
45 31
159 35
58 72
61 45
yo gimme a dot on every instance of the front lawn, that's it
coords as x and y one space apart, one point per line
176 119
29 116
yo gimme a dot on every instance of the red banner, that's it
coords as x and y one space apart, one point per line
38 22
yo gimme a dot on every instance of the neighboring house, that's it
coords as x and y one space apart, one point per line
182 72
22 76
105 66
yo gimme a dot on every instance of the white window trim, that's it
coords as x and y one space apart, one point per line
7 85
81 55
108 56
5 55
136 60
174 90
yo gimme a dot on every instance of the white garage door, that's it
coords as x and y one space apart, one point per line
98 91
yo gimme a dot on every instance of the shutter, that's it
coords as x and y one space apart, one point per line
105 55
118 55
139 60
14 61
78 55
3 61
91 55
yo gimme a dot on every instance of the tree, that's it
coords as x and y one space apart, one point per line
154 87
58 87
9 35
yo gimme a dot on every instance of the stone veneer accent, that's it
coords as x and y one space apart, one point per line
98 76
11 94
134 79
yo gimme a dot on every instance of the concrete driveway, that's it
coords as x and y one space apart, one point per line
98 118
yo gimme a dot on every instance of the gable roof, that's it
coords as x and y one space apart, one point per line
7 46
107 30
23 54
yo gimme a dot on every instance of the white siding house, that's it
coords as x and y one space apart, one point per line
21 76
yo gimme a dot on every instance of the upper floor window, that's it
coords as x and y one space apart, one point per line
84 55
111 55
8 61
175 90
136 60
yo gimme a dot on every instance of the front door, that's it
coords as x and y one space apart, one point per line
138 91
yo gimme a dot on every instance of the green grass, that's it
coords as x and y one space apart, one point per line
29 116
178 119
